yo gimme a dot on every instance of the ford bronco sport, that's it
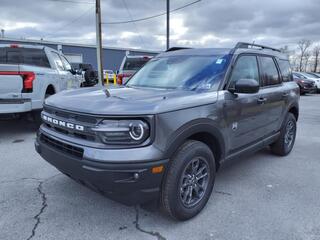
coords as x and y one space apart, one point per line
166 132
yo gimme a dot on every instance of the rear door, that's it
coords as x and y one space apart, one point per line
274 93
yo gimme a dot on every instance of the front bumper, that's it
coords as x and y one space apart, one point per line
129 183
306 89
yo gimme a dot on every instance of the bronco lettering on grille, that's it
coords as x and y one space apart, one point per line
62 123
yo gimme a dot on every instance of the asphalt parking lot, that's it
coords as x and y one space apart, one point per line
256 197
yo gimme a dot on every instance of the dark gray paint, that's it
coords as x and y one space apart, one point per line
179 114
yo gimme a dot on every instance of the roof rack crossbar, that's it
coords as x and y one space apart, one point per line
252 45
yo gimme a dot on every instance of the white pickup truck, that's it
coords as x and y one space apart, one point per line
29 74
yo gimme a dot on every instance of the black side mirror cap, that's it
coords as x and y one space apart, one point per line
246 86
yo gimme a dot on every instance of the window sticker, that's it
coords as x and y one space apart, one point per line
219 61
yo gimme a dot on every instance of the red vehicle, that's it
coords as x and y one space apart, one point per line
129 65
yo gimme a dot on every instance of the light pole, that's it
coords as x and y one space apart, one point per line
168 24
99 42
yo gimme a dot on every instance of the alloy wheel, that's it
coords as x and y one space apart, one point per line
194 182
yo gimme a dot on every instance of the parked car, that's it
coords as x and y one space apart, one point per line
310 77
164 135
315 74
316 77
110 74
129 65
31 73
305 85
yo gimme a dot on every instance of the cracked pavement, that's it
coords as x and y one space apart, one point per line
257 197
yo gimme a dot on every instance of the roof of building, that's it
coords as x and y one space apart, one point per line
34 41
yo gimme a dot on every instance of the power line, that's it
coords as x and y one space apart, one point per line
150 17
72 21
134 24
72 1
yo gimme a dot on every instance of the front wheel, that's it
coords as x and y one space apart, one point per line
285 142
189 181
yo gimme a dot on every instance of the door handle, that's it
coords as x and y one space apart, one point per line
261 100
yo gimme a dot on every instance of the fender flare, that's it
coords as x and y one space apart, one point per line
296 106
196 126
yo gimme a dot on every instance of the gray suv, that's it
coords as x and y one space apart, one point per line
164 135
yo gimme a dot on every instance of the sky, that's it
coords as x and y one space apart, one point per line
208 23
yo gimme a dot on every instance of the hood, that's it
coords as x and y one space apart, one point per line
308 80
128 101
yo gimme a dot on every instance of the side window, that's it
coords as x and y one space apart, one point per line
269 71
246 68
57 61
285 69
66 64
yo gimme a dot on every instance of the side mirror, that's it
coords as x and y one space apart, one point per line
245 86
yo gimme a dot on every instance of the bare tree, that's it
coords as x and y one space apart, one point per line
303 46
307 56
316 54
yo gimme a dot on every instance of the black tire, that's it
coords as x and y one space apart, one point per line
285 142
90 77
172 193
36 115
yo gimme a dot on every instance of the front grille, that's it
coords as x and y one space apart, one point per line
83 120
85 135
63 147
309 85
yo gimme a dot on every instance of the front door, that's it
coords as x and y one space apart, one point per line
244 113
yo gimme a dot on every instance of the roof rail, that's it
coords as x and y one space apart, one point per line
176 49
253 45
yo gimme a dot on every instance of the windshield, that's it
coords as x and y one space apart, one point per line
184 72
298 75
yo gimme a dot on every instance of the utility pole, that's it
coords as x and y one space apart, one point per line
99 43
168 24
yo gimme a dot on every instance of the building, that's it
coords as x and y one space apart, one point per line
83 53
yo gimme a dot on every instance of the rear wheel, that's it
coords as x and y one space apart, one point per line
285 142
189 181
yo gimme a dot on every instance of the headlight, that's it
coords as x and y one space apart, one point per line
123 132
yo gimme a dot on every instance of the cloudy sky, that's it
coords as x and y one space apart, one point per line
208 23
